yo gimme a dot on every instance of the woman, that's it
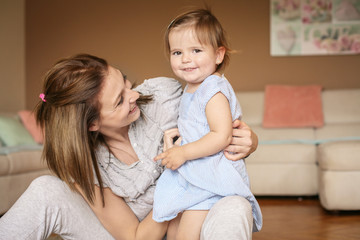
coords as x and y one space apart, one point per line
100 139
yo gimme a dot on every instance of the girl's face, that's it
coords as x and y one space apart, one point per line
190 60
118 107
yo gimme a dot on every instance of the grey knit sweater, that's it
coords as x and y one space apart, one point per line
136 182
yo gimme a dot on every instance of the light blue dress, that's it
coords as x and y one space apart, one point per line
199 184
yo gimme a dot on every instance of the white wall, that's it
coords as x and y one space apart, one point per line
12 55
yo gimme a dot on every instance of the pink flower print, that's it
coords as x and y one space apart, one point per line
295 5
355 46
317 42
331 45
307 8
306 20
345 42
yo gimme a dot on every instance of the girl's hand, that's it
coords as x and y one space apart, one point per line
169 136
172 158
243 143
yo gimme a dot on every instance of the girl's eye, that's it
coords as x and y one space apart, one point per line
197 50
176 53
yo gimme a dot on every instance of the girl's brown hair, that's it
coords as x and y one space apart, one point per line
70 106
206 27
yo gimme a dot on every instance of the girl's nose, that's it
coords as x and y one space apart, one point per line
186 58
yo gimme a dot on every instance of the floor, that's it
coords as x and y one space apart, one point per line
304 218
290 218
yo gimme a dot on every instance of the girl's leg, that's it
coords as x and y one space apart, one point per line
173 228
190 224
49 206
230 218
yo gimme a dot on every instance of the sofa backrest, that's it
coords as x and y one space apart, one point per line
341 106
252 105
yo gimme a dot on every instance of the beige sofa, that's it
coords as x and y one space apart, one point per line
20 157
288 162
18 167
309 161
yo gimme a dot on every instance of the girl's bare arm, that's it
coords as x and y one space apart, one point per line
219 118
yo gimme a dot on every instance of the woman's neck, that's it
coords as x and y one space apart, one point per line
120 146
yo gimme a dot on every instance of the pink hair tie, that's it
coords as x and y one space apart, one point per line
42 96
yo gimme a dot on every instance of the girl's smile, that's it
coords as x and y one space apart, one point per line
191 60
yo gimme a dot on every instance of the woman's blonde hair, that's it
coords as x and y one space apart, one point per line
206 27
68 108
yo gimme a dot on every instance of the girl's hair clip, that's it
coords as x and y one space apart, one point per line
42 96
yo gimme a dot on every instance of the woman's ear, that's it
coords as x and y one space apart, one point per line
94 126
220 53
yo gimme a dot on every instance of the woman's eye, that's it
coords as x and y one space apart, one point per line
120 102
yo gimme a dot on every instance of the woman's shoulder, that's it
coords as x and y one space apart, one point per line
160 85
163 109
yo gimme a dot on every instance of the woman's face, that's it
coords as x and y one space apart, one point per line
118 107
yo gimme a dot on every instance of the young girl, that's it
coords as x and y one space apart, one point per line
198 174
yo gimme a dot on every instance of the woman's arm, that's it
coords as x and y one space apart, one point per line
219 118
117 217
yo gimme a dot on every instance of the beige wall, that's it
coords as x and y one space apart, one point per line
129 34
12 55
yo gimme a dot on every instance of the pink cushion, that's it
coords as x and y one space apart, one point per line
28 119
293 106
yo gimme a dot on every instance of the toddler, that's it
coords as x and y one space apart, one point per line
197 173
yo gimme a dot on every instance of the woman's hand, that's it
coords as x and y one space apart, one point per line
169 136
172 156
243 143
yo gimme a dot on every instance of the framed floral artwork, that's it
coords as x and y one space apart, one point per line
314 27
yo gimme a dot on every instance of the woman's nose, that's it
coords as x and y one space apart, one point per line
134 96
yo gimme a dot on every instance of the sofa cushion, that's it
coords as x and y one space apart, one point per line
283 154
280 179
339 156
17 160
252 106
338 132
338 190
28 119
4 165
293 106
13 133
284 135
341 106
